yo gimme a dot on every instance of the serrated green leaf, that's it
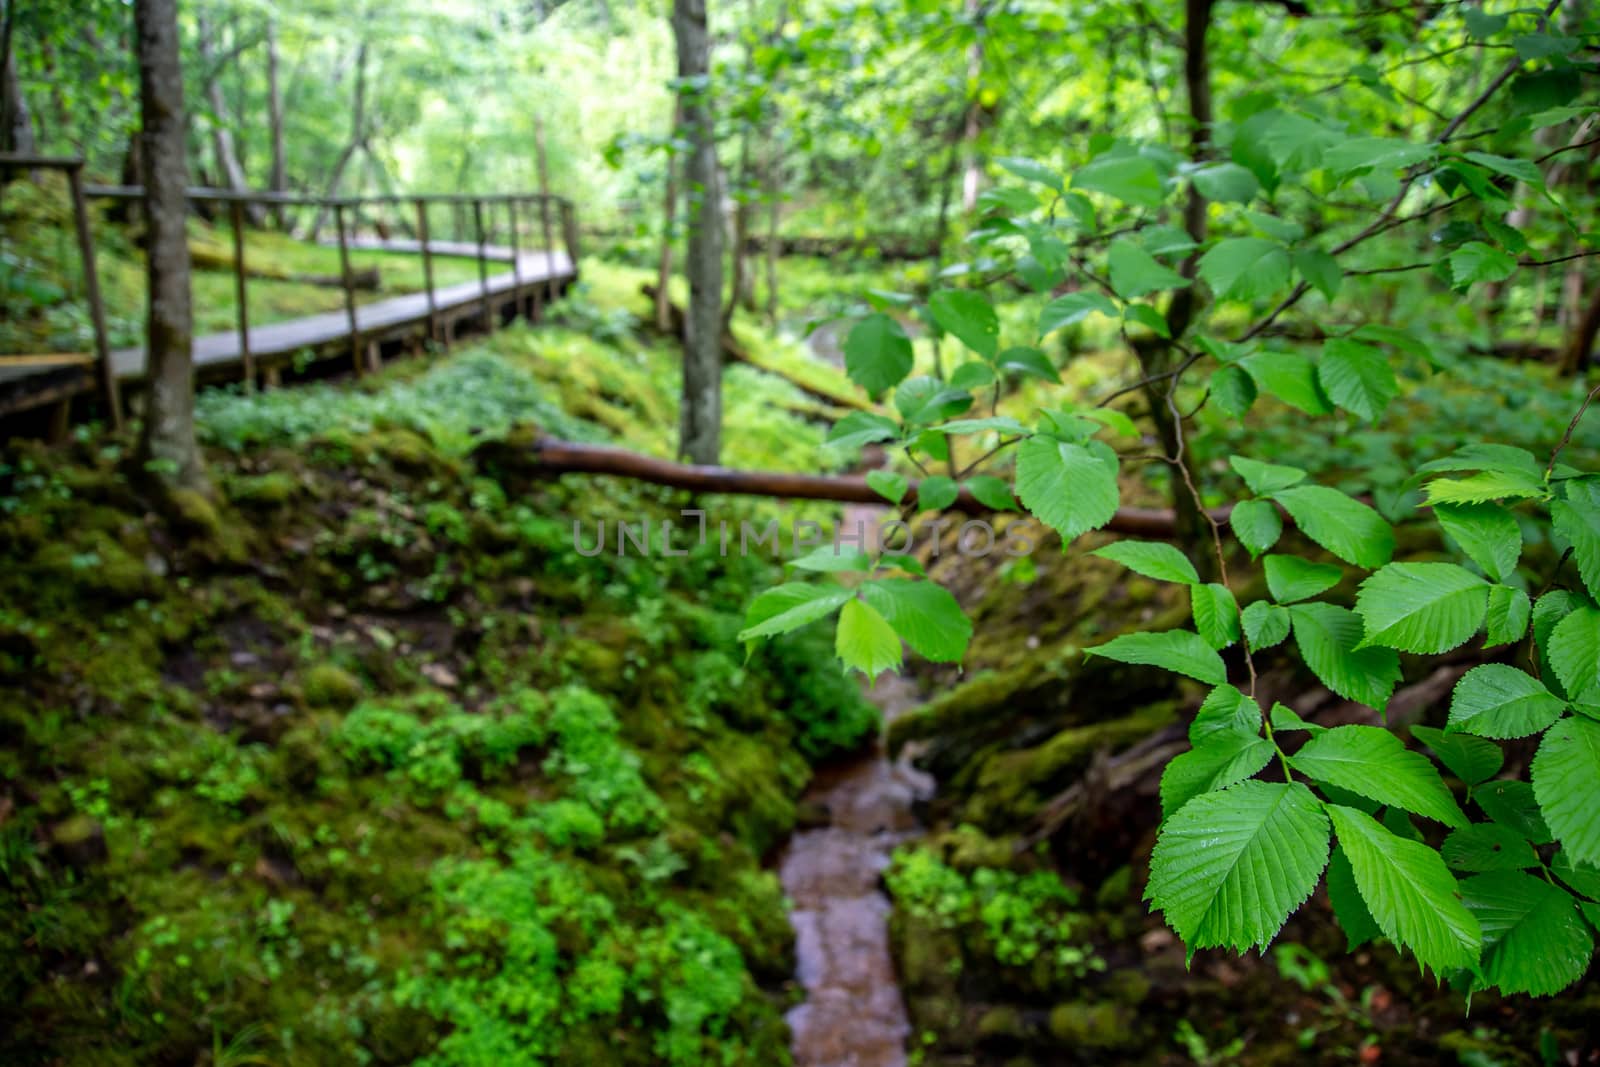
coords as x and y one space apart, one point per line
860 428
1135 272
1245 268
1554 606
1371 762
1578 520
865 641
924 613
1073 308
1409 892
1225 710
992 492
1129 178
1285 718
1030 361
1534 939
936 492
1471 759
1348 908
877 353
1264 478
1354 155
996 424
1216 614
1320 270
924 399
1494 700
789 607
1256 524
1487 533
1148 317
1357 377
1290 578
831 559
1347 528
1566 783
887 484
1066 486
1233 390
972 375
1574 650
1231 866
1265 625
970 317
1512 804
1484 846
1507 617
1327 637
1290 377
1226 183
1422 607
1485 486
1181 651
1544 45
1215 763
1580 879
1153 559
1032 170
1477 262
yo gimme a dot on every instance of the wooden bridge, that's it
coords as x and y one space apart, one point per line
362 334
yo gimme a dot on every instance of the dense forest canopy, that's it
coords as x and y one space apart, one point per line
1223 370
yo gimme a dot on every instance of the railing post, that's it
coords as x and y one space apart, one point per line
427 268
349 289
569 218
516 259
105 373
483 266
236 217
549 249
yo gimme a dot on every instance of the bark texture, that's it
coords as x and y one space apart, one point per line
701 414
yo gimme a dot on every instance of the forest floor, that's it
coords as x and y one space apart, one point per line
363 763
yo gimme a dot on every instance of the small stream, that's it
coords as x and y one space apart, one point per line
853 1015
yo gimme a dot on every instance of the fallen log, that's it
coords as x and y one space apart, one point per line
884 247
209 257
553 456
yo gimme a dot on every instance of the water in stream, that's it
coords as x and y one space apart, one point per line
853 1015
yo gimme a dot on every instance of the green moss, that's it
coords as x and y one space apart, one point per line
273 489
328 685
1093 1026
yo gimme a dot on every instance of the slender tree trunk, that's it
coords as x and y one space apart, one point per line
701 415
669 224
168 434
358 138
223 148
740 291
1580 342
16 123
774 217
972 169
278 180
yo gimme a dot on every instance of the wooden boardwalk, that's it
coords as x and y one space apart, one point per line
535 278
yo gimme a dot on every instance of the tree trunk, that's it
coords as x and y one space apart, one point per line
774 216
701 415
741 291
972 169
16 123
223 148
669 223
358 137
1580 343
278 180
168 434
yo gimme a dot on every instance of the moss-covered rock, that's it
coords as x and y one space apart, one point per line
1099 1025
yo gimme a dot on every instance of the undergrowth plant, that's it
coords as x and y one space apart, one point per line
1490 882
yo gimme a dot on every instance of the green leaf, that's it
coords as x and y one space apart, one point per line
1513 805
1487 533
1180 651
1290 578
1554 606
1409 891
1357 377
1263 478
831 559
1347 528
1256 524
924 399
1507 617
1580 879
789 607
1135 272
1578 520
1024 360
998 423
1348 908
1320 270
1354 155
860 428
968 315
1153 559
1328 636
1290 377
1032 170
887 484
1534 939
1073 308
1226 183
1566 782
1233 390
1225 710
972 375
1484 486
1481 24
1545 45
1524 170
1494 700
1067 486
1264 624
1422 607
1471 759
1574 650
1245 268
1371 762
1486 847
924 613
992 492
1478 262
1230 867
1148 317
1216 763
877 353
1216 614
936 492
865 641
1131 179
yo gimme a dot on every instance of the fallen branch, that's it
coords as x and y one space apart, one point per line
552 456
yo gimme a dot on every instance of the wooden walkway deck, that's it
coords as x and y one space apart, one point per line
535 278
